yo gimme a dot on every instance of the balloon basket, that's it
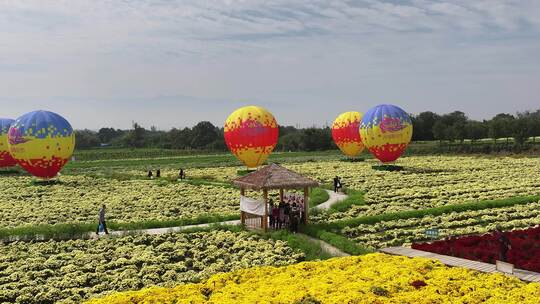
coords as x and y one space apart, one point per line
245 172
387 167
353 160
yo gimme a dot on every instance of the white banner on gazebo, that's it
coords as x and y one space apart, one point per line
252 206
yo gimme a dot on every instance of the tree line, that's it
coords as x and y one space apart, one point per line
428 126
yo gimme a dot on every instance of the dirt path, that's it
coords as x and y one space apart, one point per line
334 198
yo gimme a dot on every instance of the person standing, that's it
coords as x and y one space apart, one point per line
339 184
158 173
181 174
271 215
150 175
287 211
336 181
281 223
275 214
293 215
101 225
301 210
504 243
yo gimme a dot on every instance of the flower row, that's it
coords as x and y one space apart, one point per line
78 199
71 271
523 248
398 232
374 278
426 181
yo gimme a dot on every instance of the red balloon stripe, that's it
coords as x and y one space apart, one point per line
388 152
251 134
6 160
43 168
347 134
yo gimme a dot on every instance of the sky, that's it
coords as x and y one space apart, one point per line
174 63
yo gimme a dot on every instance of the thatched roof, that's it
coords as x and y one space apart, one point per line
274 176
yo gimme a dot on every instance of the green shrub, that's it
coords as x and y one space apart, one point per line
337 225
81 230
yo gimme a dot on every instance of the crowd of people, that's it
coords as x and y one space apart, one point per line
289 213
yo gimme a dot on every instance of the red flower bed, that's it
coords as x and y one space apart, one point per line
524 252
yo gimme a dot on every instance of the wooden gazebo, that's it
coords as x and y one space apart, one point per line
271 177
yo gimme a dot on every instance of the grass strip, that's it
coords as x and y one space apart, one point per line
403 215
313 251
79 230
342 243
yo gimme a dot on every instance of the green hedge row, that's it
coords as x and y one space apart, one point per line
471 206
80 230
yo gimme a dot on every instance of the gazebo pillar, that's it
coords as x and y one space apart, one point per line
306 204
265 219
242 214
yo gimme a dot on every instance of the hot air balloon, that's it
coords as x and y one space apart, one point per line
41 142
251 133
5 157
386 130
346 133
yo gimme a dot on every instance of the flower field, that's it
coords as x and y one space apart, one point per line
71 271
427 181
397 232
374 278
78 199
524 252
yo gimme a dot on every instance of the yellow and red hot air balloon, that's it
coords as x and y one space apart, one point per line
41 142
346 133
386 131
251 133
5 157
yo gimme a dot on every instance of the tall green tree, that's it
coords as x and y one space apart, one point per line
500 126
440 130
135 138
423 125
203 134
476 130
180 139
86 139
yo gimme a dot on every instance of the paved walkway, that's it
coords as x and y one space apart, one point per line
155 231
334 198
459 262
331 250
